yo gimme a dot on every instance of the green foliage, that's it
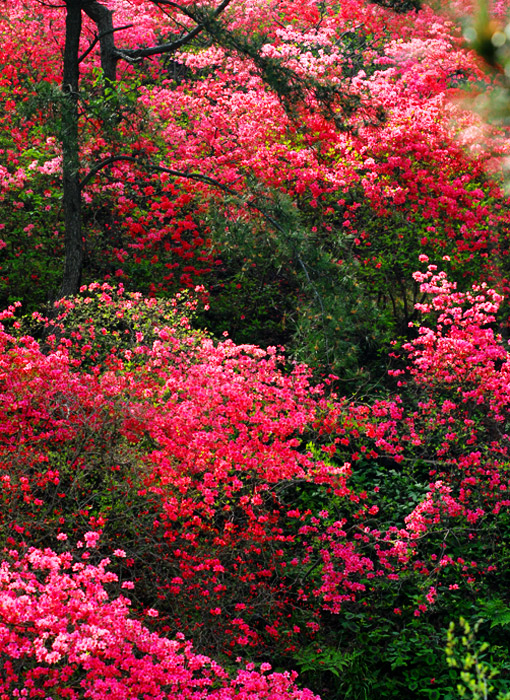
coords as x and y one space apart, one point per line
383 645
254 289
476 663
497 611
30 263
280 284
378 656
349 672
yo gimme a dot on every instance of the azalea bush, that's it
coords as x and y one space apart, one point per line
62 633
181 508
331 141
432 465
182 456
264 517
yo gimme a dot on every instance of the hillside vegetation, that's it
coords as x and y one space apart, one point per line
254 368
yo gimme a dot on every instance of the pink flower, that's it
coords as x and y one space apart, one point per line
91 538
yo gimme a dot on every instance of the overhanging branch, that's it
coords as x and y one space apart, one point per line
133 55
170 47
206 179
98 37
198 177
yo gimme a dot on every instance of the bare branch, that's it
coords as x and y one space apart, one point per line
137 54
198 177
104 164
49 4
98 37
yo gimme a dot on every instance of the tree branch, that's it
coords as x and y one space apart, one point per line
103 18
98 37
198 177
170 47
137 54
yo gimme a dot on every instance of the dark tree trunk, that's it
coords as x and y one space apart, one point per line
72 185
71 154
103 17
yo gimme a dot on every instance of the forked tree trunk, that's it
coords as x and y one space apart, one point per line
102 16
70 153
72 185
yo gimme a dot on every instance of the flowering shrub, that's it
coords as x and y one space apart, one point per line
62 634
106 321
347 114
261 516
191 459
429 532
180 451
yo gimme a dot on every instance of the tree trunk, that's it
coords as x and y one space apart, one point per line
103 17
69 136
71 154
